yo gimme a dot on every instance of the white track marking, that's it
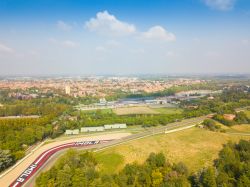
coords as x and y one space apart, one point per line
44 154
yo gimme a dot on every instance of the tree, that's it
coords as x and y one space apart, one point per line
243 181
6 159
64 177
233 164
241 118
78 179
181 168
157 178
208 178
211 125
156 160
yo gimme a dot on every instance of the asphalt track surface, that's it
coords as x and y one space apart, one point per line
41 161
14 172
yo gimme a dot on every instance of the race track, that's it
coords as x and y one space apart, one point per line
41 160
8 177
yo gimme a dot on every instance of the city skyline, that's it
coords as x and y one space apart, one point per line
124 37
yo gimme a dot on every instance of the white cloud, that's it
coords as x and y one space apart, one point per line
63 26
5 49
158 33
220 4
69 44
107 24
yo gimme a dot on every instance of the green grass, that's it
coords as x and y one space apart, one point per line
195 147
247 112
168 110
134 110
146 110
224 127
109 162
103 111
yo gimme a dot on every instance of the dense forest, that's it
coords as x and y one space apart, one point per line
38 106
16 135
81 169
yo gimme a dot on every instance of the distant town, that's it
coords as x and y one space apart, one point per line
94 86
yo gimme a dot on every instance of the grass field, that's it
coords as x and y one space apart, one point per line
103 111
242 128
135 110
110 162
146 110
197 148
168 110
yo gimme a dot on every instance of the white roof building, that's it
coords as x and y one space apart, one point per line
92 129
76 131
72 132
116 126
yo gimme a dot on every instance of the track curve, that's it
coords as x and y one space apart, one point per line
42 158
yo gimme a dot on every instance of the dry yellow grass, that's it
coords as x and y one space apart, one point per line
197 148
242 128
135 110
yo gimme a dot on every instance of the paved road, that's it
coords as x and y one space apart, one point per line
117 139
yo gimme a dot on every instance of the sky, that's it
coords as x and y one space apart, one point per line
124 37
